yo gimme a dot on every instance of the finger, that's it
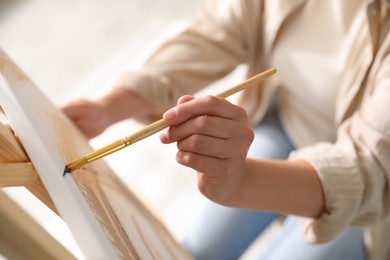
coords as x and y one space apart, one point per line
74 108
212 147
70 112
184 99
207 105
204 125
201 163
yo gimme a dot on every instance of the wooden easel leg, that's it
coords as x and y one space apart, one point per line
39 191
22 238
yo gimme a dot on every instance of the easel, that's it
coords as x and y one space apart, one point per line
20 235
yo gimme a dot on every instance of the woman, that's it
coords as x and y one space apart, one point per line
330 111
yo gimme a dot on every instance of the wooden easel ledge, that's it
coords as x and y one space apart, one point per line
17 174
16 168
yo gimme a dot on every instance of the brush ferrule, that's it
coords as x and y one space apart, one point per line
126 140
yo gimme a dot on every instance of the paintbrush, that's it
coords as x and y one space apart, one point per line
153 128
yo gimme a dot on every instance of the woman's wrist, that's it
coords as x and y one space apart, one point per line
121 104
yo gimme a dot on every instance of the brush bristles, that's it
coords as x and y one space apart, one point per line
66 170
74 165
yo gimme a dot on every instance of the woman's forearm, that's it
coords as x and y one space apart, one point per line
122 103
290 187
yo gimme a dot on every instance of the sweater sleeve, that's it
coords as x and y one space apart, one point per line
354 171
209 49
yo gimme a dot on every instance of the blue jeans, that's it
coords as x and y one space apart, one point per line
225 233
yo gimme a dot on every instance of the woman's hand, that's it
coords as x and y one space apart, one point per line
92 117
89 116
213 137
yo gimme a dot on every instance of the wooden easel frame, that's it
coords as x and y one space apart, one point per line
20 235
16 168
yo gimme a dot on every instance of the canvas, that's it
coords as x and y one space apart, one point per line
107 220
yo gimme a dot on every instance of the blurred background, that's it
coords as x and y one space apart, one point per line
76 49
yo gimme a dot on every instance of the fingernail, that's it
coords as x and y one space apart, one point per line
170 114
163 136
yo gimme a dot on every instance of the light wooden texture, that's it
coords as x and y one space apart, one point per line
157 126
15 169
10 149
107 220
17 174
22 238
